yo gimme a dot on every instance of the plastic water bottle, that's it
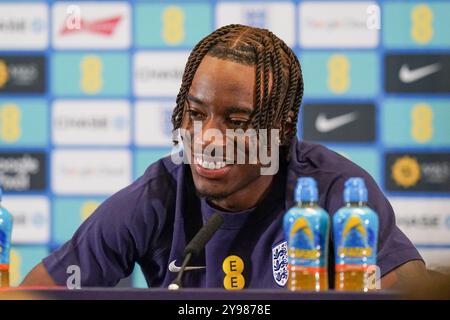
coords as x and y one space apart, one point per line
306 228
6 222
355 231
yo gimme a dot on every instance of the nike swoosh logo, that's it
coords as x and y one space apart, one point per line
407 75
324 125
174 268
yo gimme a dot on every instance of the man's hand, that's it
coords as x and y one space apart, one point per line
38 277
403 277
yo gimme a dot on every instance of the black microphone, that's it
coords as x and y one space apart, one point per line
196 245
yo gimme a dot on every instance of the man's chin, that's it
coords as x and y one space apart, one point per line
211 195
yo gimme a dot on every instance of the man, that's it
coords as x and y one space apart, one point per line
244 78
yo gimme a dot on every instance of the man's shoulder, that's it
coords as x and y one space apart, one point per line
331 169
161 170
316 158
158 182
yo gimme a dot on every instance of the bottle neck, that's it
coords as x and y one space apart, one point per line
353 204
307 204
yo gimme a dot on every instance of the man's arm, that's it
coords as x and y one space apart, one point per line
405 276
38 277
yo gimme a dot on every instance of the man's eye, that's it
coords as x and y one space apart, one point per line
195 115
238 123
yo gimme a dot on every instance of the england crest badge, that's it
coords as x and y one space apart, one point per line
280 263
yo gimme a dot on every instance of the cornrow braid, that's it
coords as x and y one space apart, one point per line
276 106
192 64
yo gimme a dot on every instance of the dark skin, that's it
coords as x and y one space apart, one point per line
222 96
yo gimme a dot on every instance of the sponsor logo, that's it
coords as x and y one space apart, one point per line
336 122
337 25
255 17
22 74
423 220
92 74
355 252
356 241
406 171
407 75
103 26
23 171
4 73
423 122
429 221
100 122
31 219
175 24
422 73
23 122
158 74
261 15
153 123
90 172
233 267
427 172
24 27
324 124
280 263
416 25
337 74
174 268
92 25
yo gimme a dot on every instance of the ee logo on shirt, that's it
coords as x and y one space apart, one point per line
233 266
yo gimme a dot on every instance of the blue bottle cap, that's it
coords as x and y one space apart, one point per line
355 190
306 190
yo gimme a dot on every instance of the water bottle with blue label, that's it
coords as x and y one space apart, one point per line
6 222
306 228
355 231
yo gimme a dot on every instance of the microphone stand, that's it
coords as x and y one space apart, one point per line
196 245
176 284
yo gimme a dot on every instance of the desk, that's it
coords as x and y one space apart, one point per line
188 294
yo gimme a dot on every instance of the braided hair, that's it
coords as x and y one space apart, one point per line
275 106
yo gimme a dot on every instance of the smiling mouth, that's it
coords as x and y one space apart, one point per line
211 168
211 164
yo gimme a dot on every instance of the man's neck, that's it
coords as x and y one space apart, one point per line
248 197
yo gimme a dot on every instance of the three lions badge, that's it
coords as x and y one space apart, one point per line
280 263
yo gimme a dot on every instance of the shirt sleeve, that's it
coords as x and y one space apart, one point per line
108 243
394 247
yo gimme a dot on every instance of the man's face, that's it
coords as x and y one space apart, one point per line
221 97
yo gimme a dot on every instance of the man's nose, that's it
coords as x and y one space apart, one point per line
210 132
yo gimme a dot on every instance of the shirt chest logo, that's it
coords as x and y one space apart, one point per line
280 263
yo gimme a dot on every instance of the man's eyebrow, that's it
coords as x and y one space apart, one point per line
196 100
236 109
229 110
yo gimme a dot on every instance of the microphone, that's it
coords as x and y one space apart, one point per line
196 245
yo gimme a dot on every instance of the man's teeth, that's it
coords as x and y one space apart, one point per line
211 165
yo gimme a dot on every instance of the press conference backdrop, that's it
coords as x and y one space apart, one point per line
87 90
